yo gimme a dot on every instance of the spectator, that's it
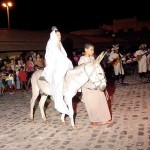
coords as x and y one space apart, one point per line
75 59
23 78
1 84
30 70
10 82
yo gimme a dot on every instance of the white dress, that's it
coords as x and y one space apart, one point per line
57 64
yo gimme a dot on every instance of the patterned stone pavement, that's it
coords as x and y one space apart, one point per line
130 108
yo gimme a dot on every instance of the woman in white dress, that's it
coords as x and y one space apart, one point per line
57 64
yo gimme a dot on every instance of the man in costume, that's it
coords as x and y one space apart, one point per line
95 100
141 58
116 59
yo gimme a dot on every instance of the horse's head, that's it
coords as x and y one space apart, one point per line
97 77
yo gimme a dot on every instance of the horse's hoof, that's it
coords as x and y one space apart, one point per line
74 127
46 121
65 123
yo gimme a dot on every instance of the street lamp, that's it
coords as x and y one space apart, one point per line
7 5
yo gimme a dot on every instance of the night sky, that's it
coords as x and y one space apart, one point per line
70 16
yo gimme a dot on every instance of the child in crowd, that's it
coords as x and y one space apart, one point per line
36 67
22 75
29 70
1 84
10 82
17 80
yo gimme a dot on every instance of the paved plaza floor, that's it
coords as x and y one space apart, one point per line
130 108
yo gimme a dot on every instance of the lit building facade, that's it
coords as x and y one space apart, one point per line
127 25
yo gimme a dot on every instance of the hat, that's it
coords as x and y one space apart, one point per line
115 47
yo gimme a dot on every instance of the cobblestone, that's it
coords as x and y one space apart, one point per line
130 109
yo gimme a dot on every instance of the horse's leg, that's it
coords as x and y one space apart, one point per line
71 111
63 118
41 105
35 94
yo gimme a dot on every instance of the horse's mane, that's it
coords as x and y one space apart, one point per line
80 68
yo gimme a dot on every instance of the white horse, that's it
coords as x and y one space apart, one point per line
91 72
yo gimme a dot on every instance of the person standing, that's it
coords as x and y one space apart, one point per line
57 64
11 82
116 59
141 58
22 75
2 88
148 64
29 70
94 100
108 68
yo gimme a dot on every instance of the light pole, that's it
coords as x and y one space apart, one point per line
7 5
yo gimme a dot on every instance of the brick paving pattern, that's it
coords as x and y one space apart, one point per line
130 108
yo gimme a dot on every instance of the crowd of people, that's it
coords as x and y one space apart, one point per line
15 73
